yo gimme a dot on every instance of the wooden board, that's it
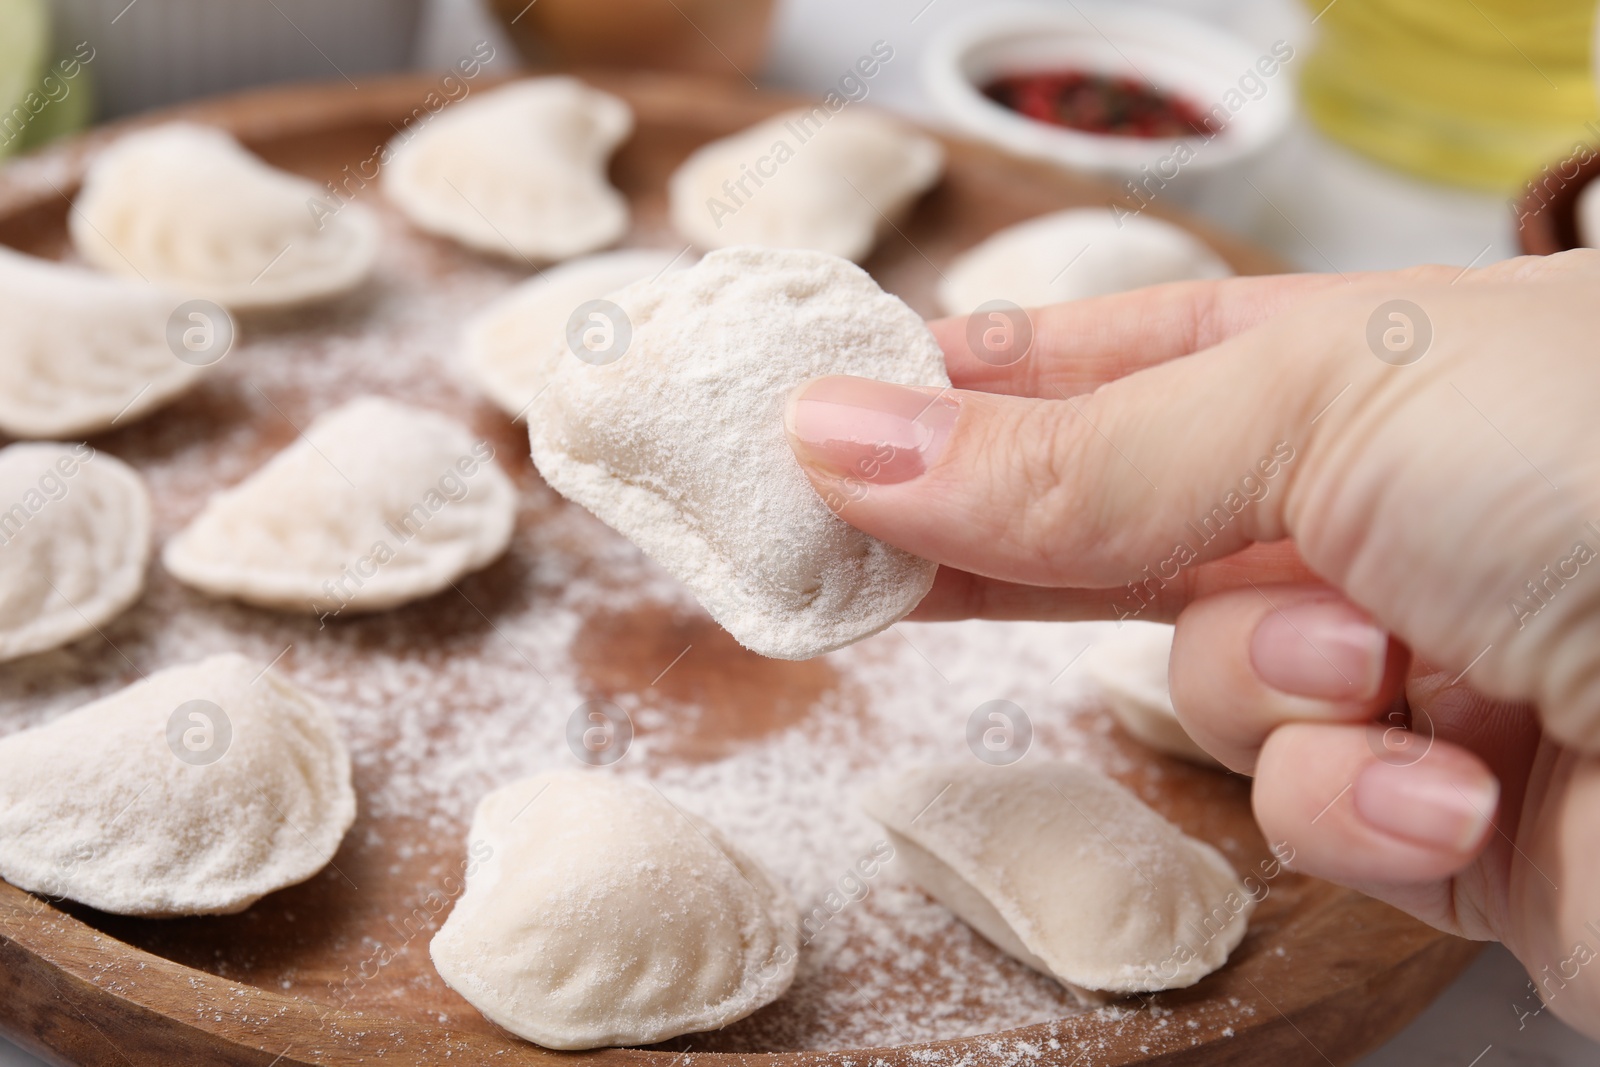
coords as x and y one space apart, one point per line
1324 975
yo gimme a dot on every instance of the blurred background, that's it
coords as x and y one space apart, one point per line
1401 130
1389 133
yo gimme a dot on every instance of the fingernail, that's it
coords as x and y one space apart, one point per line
1324 649
860 429
1428 803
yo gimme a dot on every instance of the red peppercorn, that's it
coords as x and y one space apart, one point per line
1101 103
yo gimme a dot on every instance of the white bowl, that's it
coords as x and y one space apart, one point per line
1202 64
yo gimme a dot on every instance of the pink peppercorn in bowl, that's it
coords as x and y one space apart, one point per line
1136 90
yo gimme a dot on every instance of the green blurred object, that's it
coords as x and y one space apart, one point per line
24 46
1479 93
69 114
25 65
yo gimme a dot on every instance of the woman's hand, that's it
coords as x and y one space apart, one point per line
1373 507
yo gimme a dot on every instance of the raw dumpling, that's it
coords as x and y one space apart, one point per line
194 792
674 437
74 542
186 207
80 351
599 913
519 172
1588 211
1067 871
514 345
805 179
375 505
1130 669
1070 255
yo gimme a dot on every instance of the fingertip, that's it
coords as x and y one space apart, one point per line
1356 815
1447 805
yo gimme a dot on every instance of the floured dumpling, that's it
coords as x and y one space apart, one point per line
602 914
376 504
1070 255
1588 215
514 345
814 179
1067 871
672 433
519 171
186 207
74 542
196 791
80 351
1130 669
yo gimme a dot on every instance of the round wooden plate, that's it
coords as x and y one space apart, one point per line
1324 975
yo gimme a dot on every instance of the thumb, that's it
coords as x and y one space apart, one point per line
1173 465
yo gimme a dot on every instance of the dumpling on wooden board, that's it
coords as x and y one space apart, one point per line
74 544
376 504
602 914
1129 667
188 208
1074 254
82 351
1067 871
519 171
196 791
831 182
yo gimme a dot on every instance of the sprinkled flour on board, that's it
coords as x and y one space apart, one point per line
446 699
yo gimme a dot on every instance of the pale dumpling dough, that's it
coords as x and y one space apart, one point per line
603 914
1588 211
514 345
519 171
1073 254
377 504
81 350
74 543
1129 668
186 207
805 179
1067 871
97 806
678 441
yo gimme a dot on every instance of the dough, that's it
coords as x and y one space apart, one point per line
74 542
143 803
1070 255
377 504
186 207
514 345
599 914
1130 669
805 179
518 172
678 442
1067 871
80 350
1588 212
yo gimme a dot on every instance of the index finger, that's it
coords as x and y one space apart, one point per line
1078 346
